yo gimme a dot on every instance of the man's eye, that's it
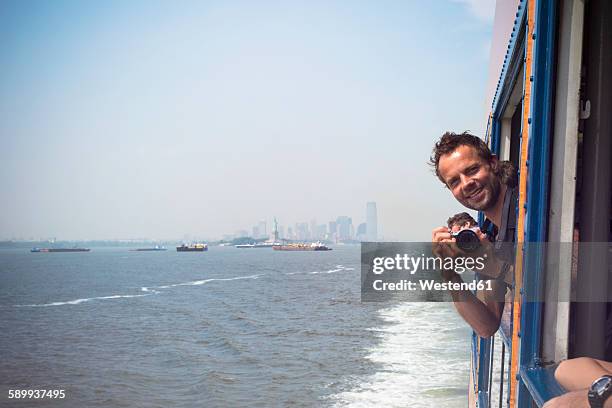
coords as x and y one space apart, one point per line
472 170
452 183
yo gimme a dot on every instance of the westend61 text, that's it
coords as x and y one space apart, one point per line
430 284
412 264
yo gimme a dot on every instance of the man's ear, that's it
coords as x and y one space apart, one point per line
494 162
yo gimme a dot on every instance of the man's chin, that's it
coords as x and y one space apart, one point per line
481 205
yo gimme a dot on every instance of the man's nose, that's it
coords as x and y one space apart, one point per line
467 183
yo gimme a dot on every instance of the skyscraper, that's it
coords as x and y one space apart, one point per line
333 231
262 227
371 222
345 225
301 231
313 229
362 232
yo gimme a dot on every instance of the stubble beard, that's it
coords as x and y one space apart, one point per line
491 193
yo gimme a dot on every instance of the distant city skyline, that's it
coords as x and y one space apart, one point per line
338 229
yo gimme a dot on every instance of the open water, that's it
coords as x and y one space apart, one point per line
228 327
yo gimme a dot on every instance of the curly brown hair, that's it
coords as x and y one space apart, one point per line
461 219
450 141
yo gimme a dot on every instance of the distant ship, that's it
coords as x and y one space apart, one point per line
60 250
192 248
258 245
155 248
315 246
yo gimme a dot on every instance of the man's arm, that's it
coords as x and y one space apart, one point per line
574 399
482 314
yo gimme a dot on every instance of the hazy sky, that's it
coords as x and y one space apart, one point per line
159 119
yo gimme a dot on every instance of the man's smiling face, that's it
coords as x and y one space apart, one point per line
470 178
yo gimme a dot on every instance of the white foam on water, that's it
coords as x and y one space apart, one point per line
329 271
203 281
79 301
149 291
412 372
338 268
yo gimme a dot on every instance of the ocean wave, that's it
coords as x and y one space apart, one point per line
152 290
338 268
204 281
79 301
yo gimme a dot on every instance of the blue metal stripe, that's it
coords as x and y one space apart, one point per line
483 399
484 369
537 198
495 137
541 384
475 355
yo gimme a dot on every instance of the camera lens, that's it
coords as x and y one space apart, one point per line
467 240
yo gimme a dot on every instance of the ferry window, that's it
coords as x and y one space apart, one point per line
515 135
511 123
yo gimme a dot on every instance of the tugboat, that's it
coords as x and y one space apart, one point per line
315 246
155 248
192 248
258 245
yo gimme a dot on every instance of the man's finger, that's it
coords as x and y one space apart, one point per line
437 231
440 235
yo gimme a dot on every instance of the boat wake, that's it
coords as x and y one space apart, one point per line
155 290
79 301
149 291
410 336
338 268
203 281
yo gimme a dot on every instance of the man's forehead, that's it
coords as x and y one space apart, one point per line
455 161
463 151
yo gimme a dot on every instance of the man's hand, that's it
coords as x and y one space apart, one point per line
575 399
443 246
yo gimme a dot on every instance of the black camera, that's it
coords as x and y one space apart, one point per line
467 240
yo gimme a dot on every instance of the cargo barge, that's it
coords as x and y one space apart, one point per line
315 246
258 245
155 248
192 248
